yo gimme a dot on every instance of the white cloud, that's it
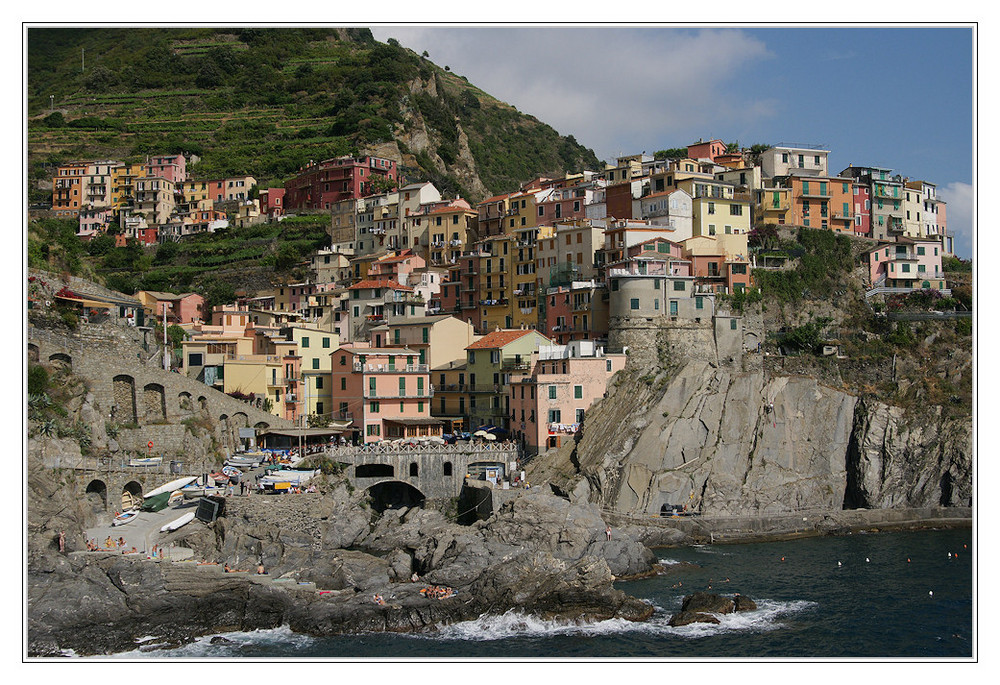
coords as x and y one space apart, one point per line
960 211
609 87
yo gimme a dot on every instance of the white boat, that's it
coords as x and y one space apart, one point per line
177 523
145 461
171 486
194 491
125 517
293 477
244 461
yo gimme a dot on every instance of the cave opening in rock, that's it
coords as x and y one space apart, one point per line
395 494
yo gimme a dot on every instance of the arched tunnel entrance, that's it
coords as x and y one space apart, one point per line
395 494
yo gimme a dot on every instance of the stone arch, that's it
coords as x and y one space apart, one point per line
414 470
123 396
202 403
447 468
131 495
394 494
97 494
262 425
154 402
33 353
224 419
184 401
61 359
240 420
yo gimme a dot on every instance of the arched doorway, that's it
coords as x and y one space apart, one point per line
131 495
97 495
394 494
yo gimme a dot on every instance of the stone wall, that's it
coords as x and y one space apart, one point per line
146 402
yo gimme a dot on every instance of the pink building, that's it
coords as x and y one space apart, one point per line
907 263
171 167
180 309
548 407
862 210
396 266
385 390
94 222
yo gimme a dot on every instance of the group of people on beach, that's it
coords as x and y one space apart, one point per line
110 544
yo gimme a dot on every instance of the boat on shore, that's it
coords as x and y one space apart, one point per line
196 490
245 460
125 517
145 461
171 486
178 522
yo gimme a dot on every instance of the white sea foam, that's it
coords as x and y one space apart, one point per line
769 616
519 624
281 638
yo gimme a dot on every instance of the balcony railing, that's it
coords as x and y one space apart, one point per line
386 368
370 394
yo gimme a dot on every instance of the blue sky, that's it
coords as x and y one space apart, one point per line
901 98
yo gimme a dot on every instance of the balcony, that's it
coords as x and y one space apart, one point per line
812 195
387 368
290 397
389 395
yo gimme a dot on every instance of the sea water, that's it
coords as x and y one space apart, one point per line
875 595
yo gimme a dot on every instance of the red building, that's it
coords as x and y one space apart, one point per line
320 185
272 201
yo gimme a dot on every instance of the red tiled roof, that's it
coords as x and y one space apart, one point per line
368 283
498 339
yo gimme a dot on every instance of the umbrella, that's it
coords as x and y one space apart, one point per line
480 434
490 436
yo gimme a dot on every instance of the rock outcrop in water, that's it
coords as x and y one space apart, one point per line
701 607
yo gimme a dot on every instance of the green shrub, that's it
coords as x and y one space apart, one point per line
38 379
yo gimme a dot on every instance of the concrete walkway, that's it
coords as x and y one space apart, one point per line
144 531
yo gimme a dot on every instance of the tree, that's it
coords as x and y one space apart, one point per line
764 236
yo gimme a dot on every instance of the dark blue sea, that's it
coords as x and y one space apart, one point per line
892 595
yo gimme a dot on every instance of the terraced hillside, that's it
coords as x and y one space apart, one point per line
265 102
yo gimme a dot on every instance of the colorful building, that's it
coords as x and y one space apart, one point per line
491 364
319 185
548 406
385 391
907 263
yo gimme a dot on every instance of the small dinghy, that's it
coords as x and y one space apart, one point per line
125 517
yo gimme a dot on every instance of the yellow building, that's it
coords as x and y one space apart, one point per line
314 347
715 208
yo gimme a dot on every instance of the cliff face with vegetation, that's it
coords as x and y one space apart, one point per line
264 102
885 423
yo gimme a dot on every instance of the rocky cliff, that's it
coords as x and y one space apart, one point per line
727 442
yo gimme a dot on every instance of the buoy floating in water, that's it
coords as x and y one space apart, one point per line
949 555
930 592
867 560
839 564
907 560
782 558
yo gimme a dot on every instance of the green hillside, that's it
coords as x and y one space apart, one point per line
264 102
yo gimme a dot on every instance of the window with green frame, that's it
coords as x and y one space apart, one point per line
305 341
578 392
552 392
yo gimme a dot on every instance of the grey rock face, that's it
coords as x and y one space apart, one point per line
727 443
